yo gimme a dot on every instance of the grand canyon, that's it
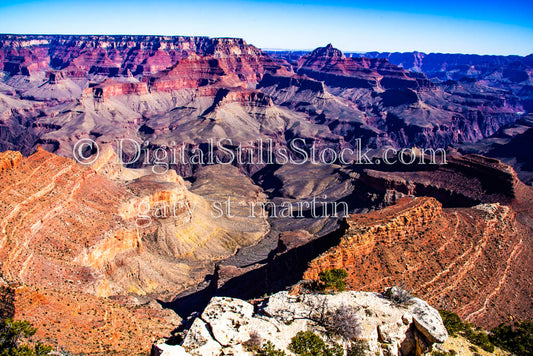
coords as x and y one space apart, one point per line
217 181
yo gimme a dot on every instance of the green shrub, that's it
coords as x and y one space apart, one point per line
452 322
358 348
11 333
22 350
42 350
454 325
517 339
268 349
479 338
307 343
333 279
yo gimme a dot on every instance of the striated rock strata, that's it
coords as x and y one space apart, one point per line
173 90
81 323
75 235
470 260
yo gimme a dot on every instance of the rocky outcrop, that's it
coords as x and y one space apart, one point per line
102 53
109 230
110 88
151 87
9 159
456 66
228 325
198 57
508 145
45 219
330 65
405 104
227 67
464 180
77 230
285 81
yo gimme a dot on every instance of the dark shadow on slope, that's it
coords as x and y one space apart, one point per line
283 269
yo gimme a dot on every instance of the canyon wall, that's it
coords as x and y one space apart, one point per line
469 260
150 88
83 250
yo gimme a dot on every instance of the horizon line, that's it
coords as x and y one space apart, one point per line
269 49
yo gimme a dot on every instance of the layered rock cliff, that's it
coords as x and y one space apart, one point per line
110 230
70 235
462 181
455 66
330 65
471 260
66 225
108 87
80 323
103 54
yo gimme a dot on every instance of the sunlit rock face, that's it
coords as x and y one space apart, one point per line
110 237
153 88
70 235
66 225
471 260
385 328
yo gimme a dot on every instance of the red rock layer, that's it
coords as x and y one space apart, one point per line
85 324
9 159
60 231
99 54
68 236
474 261
22 60
199 60
332 66
52 210
234 69
110 88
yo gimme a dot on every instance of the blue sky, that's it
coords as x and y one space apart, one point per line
485 27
